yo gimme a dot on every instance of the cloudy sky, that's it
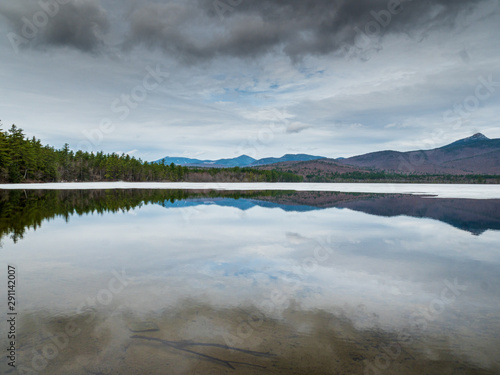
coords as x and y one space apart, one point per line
220 78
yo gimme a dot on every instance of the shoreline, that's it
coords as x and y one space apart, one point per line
459 191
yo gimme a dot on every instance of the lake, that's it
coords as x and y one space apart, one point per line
256 281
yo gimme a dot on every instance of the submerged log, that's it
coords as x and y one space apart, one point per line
183 346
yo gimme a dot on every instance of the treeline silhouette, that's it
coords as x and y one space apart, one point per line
24 159
392 177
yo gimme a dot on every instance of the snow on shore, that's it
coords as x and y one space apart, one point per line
438 190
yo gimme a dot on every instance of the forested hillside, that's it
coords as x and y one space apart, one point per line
26 160
23 160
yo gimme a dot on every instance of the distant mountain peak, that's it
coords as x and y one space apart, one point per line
244 157
472 139
476 154
477 137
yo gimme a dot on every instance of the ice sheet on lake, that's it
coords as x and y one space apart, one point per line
438 190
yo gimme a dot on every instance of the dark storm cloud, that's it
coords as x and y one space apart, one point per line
199 30
71 23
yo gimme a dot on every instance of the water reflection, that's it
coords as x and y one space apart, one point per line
166 282
22 209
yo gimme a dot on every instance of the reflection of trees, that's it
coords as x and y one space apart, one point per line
25 209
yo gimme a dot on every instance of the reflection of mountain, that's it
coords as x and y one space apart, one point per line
287 201
242 204
20 210
472 215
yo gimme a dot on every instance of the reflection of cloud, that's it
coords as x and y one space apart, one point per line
229 260
295 238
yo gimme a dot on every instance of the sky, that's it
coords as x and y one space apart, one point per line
213 79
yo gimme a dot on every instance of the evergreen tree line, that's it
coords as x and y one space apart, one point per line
390 177
26 160
237 174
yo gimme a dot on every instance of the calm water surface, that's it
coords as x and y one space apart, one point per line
156 282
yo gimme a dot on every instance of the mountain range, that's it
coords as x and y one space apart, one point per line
240 161
477 154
